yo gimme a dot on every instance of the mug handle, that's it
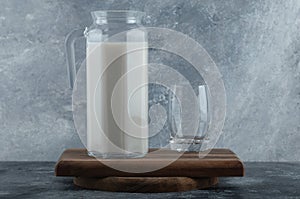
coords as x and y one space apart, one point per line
204 110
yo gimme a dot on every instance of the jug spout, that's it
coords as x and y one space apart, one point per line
108 16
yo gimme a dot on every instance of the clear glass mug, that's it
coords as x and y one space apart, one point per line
116 83
184 112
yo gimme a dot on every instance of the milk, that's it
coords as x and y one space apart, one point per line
117 120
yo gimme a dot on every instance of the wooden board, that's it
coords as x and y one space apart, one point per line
217 163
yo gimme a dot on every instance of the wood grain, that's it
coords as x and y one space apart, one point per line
145 184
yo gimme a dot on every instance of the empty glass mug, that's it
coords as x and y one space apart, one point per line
116 83
188 109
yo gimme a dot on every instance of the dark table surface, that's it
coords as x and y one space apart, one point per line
262 180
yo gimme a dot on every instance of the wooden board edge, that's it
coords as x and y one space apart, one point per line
60 166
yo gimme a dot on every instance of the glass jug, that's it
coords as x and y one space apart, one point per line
116 83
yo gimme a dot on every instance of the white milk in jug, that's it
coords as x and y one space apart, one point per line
117 99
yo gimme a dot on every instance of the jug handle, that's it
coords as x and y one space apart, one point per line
70 53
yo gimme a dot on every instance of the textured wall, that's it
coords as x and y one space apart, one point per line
256 45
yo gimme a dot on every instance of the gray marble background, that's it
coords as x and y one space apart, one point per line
256 45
